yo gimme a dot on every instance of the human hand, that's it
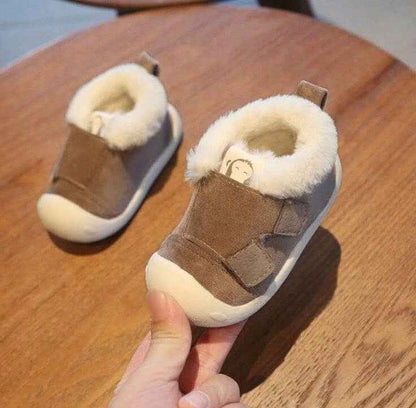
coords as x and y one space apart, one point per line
166 373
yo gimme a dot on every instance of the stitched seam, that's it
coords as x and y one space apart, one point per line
182 240
279 216
303 214
88 194
270 260
194 198
297 232
72 181
57 165
206 249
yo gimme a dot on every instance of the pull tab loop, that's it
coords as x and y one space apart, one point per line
150 64
312 92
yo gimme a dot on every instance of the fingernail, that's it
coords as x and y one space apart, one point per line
158 306
196 399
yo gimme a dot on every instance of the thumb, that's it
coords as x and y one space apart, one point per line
170 338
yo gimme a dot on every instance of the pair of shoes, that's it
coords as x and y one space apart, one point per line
264 178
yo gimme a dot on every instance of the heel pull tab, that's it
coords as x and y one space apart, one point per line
313 93
149 63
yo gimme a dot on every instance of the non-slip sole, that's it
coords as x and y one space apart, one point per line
69 221
203 308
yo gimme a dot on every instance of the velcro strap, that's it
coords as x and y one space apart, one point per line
251 265
150 64
293 217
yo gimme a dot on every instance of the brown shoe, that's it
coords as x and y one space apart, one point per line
265 176
122 132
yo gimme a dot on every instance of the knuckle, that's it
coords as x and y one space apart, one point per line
162 332
164 338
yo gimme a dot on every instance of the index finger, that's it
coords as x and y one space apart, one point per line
136 360
208 355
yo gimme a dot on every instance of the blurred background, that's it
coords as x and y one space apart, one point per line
27 25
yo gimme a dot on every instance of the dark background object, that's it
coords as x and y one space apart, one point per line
298 6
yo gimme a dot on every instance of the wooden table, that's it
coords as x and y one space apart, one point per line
340 332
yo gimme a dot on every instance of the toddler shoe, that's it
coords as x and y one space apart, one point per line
264 178
122 132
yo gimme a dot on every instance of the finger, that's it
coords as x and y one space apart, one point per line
208 355
136 360
216 392
138 356
237 405
170 338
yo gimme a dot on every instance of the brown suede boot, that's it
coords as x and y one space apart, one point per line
264 178
122 132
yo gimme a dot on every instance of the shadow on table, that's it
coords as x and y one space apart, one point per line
269 335
95 247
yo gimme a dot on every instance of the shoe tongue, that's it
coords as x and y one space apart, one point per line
99 120
242 165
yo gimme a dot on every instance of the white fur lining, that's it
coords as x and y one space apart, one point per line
285 176
124 129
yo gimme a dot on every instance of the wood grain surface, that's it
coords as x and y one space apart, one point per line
339 333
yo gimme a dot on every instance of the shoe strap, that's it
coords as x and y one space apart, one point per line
293 218
235 224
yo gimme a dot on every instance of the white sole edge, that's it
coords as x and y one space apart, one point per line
201 307
69 221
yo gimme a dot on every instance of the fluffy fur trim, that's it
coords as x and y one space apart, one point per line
127 127
284 176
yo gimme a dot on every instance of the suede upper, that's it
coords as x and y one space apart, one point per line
102 180
234 240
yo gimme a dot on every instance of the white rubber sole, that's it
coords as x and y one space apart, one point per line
69 221
201 307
